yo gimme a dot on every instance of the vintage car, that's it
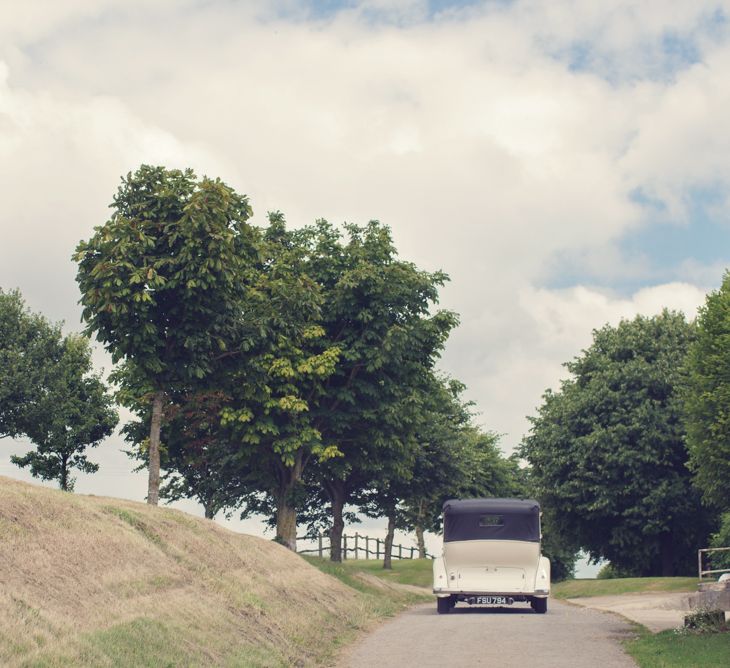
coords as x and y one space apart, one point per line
491 555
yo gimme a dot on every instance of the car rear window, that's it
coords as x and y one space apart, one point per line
491 521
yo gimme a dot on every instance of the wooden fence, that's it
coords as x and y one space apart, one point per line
354 545
706 552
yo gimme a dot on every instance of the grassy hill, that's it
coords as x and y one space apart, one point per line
103 582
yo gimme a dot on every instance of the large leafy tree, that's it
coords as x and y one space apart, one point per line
707 399
73 412
272 393
162 282
29 348
246 431
608 452
376 310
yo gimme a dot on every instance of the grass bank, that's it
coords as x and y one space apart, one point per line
92 581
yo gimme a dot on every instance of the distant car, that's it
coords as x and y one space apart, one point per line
491 555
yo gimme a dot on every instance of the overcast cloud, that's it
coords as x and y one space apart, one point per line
542 153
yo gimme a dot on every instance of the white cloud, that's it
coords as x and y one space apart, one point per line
469 134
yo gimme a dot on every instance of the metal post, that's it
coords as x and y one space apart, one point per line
319 541
344 546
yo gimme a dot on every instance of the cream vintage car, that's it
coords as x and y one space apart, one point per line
491 555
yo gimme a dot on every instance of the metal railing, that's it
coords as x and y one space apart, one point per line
356 544
704 551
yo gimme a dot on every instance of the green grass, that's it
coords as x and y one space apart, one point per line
583 588
416 572
670 649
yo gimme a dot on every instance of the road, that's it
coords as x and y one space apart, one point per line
566 637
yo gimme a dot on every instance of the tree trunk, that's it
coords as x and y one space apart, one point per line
153 485
337 495
286 513
387 559
419 529
667 548
210 510
421 542
286 523
64 473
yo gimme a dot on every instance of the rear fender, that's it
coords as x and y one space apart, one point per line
542 577
440 578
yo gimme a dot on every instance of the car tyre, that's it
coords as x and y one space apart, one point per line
443 605
539 605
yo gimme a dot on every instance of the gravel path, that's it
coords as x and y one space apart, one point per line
567 636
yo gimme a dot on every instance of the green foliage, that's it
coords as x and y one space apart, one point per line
376 310
30 346
163 283
610 572
707 400
706 621
49 394
608 454
161 280
452 459
718 560
74 412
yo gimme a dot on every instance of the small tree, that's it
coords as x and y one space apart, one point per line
163 280
30 346
74 412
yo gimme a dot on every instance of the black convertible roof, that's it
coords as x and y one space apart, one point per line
491 519
508 506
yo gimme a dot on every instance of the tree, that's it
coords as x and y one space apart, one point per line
73 412
246 429
29 347
707 400
162 282
608 454
376 311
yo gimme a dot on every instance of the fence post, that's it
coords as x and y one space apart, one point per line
357 535
400 551
377 548
344 546
319 543
367 547
413 548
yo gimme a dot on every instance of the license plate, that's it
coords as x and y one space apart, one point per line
490 600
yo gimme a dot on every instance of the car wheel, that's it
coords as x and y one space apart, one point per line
539 605
443 605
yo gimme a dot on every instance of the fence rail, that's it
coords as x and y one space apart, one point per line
356 544
704 551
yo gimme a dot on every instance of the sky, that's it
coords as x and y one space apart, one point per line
565 162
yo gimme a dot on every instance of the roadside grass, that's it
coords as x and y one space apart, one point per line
672 649
391 596
414 572
583 588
